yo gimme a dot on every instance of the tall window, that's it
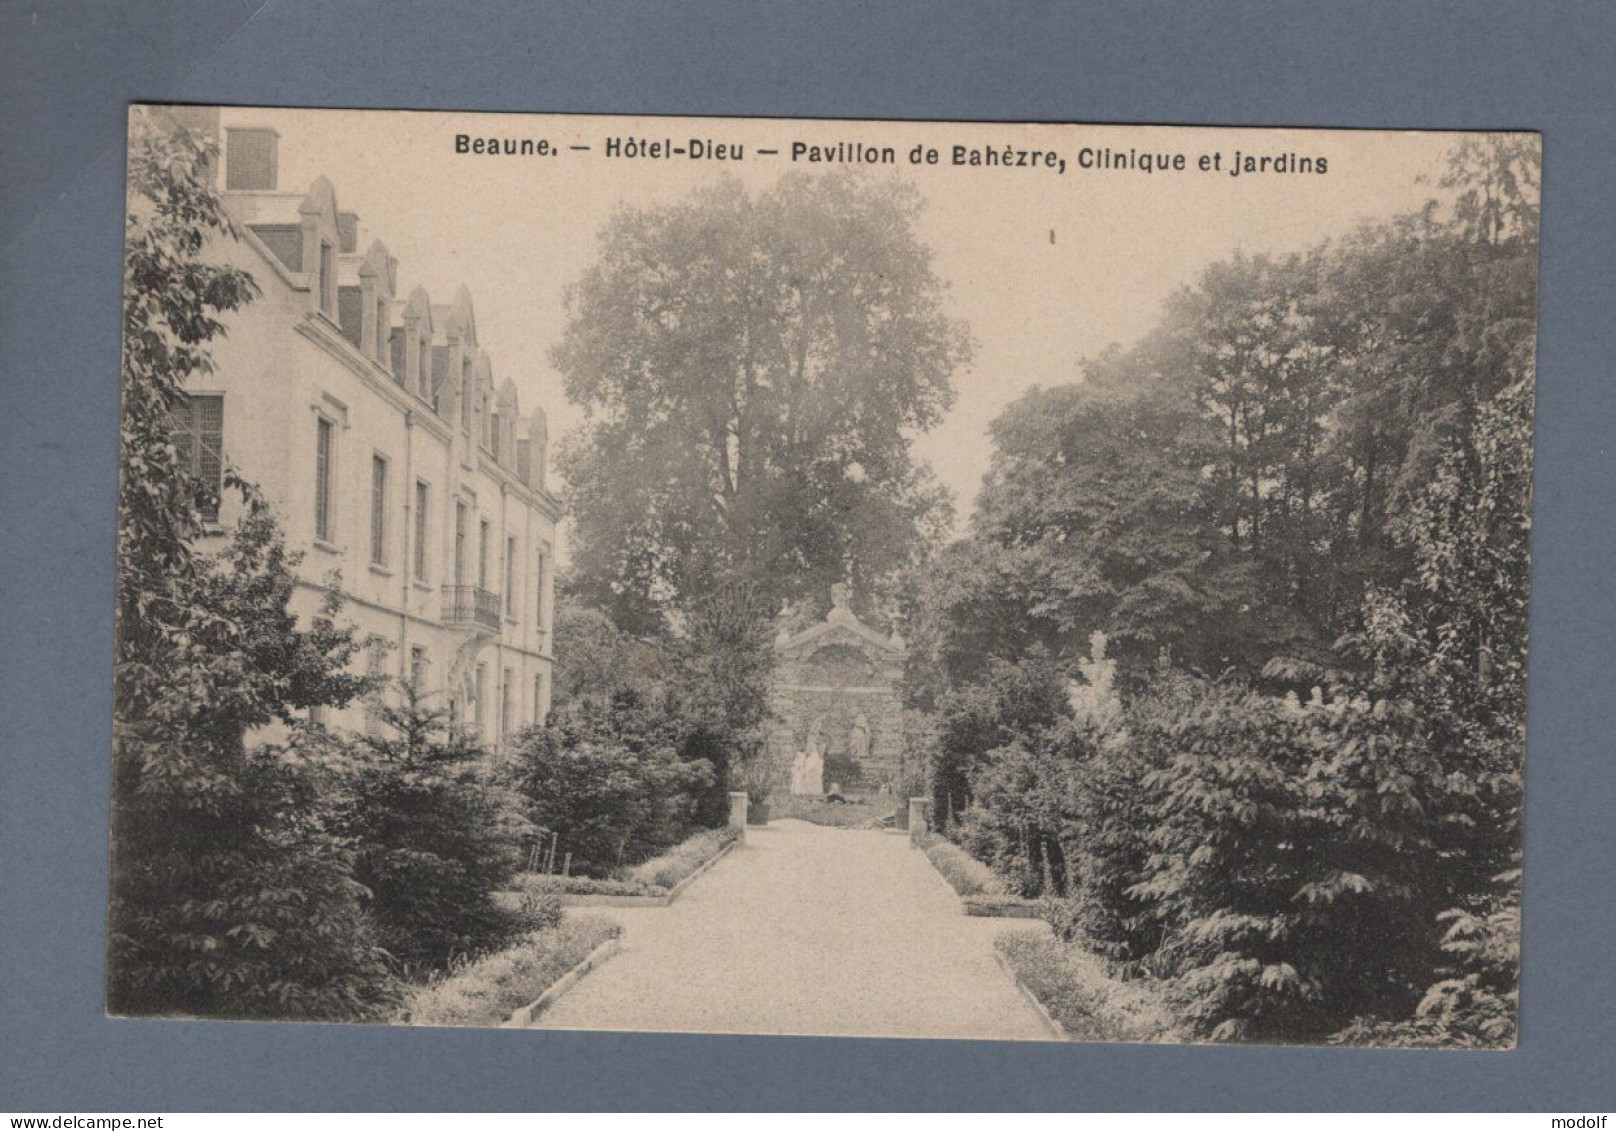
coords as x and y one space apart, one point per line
507 704
328 279
199 437
482 554
376 700
460 544
480 708
465 396
510 577
422 497
538 599
324 458
538 699
378 510
418 669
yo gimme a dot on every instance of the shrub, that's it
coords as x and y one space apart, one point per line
605 777
489 990
436 838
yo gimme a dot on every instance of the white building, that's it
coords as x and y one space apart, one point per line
395 460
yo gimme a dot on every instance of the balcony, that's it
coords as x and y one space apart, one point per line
471 606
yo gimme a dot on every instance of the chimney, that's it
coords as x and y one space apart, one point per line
251 158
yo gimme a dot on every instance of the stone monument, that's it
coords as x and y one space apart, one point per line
836 695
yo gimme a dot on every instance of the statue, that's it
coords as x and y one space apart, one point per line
808 769
858 743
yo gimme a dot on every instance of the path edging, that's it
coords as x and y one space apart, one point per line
523 1017
1055 1028
594 899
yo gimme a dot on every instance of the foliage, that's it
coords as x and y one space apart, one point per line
682 860
964 873
726 664
1014 699
436 837
605 775
489 990
232 892
753 367
655 877
1086 1003
594 656
1230 489
556 884
1312 480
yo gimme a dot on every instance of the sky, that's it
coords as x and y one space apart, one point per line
1047 268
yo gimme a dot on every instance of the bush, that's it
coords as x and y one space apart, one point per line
489 990
605 776
436 838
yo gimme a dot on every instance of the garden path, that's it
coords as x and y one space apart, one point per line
807 930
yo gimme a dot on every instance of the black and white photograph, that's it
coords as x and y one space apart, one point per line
842 578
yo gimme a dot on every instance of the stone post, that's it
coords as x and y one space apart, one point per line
737 811
919 819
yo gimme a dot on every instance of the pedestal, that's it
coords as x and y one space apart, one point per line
919 818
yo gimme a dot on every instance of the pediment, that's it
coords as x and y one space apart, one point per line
847 630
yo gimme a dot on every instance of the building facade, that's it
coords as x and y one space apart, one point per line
398 463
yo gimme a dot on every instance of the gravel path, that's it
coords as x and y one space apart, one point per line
807 930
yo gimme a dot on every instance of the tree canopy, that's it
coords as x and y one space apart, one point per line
754 368
1227 490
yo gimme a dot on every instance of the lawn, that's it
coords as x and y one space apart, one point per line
858 812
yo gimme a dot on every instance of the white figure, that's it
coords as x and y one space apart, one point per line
858 743
808 770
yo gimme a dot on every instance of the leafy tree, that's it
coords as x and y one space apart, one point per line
753 368
436 837
232 895
594 656
605 775
1228 490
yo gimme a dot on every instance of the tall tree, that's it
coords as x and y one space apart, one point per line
753 368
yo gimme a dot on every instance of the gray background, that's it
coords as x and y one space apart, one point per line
67 70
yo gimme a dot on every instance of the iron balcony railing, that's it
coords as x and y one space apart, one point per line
471 605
